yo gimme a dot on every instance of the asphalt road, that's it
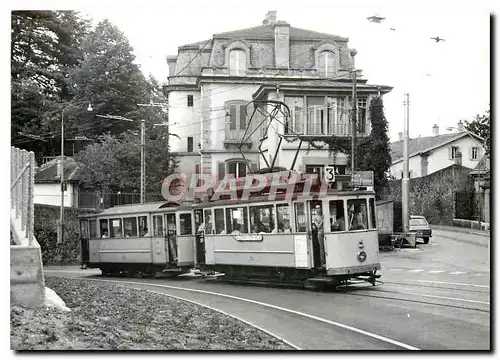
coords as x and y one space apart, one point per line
436 297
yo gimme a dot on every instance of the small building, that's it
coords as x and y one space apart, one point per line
47 190
433 153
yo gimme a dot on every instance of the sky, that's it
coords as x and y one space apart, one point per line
446 81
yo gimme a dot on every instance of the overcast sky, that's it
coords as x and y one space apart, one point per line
447 81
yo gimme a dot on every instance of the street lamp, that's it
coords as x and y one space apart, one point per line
61 217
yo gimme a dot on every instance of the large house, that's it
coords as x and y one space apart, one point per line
433 153
211 83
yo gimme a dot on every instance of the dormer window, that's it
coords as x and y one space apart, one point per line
326 64
237 62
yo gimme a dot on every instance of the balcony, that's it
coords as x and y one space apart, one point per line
234 137
325 121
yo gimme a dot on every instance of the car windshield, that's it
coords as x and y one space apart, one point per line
417 221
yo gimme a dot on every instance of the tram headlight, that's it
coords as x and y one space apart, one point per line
361 256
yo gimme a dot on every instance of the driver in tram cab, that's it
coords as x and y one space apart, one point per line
318 225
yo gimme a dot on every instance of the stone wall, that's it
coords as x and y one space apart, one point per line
432 196
46 218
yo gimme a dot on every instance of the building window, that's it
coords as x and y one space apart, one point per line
475 153
326 64
237 62
454 151
361 115
190 100
237 168
190 144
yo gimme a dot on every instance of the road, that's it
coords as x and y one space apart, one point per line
436 297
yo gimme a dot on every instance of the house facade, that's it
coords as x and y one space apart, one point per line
221 89
433 153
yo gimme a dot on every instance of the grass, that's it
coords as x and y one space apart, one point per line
112 317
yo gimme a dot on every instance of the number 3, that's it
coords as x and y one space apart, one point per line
330 175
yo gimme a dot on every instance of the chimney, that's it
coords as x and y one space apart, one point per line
460 126
282 45
270 18
171 61
435 130
400 136
458 158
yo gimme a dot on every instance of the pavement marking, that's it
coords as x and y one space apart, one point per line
453 283
416 270
458 272
395 269
334 323
225 313
446 297
436 271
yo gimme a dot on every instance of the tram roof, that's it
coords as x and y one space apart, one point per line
134 208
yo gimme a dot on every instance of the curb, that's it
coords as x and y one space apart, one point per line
461 230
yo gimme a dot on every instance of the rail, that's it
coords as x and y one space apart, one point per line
22 180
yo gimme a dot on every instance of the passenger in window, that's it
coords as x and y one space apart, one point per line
355 218
258 227
287 229
320 232
105 234
128 234
339 225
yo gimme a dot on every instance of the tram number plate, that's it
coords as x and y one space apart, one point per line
329 173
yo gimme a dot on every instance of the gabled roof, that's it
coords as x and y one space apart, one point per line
47 173
424 144
266 32
482 165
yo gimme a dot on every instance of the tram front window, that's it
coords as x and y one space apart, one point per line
300 217
337 221
262 219
372 214
358 217
237 220
186 224
284 225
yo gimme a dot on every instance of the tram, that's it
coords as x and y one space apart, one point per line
324 236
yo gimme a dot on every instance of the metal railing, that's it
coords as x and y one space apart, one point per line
22 180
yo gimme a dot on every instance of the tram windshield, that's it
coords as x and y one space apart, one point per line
358 216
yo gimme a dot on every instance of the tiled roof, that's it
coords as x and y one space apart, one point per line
423 143
47 173
267 32
483 164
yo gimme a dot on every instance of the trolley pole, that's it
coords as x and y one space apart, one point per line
143 162
354 121
405 183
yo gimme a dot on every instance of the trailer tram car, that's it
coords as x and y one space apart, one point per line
140 239
280 240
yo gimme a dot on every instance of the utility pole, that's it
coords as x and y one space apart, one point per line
354 118
405 182
143 162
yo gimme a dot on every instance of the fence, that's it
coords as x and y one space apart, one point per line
105 200
22 180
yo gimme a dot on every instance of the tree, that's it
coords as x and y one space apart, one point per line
481 126
373 153
44 47
111 81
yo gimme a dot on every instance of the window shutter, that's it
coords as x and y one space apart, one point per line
242 62
470 152
243 117
232 117
254 167
221 166
450 152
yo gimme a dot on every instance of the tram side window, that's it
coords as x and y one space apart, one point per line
199 224
103 227
283 212
358 217
130 227
337 220
186 224
157 225
300 217
116 228
143 226
93 229
237 220
219 221
84 234
262 219
209 226
373 213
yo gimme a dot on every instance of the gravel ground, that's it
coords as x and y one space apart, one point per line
113 317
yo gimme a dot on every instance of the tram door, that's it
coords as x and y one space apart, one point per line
317 220
199 224
171 237
84 241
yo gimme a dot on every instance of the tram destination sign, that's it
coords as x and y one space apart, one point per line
362 178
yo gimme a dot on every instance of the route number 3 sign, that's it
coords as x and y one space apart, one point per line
329 173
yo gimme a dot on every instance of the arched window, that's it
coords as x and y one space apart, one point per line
326 64
237 62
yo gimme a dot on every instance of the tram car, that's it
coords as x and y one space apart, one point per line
311 236
139 239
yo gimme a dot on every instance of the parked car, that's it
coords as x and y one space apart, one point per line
421 226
